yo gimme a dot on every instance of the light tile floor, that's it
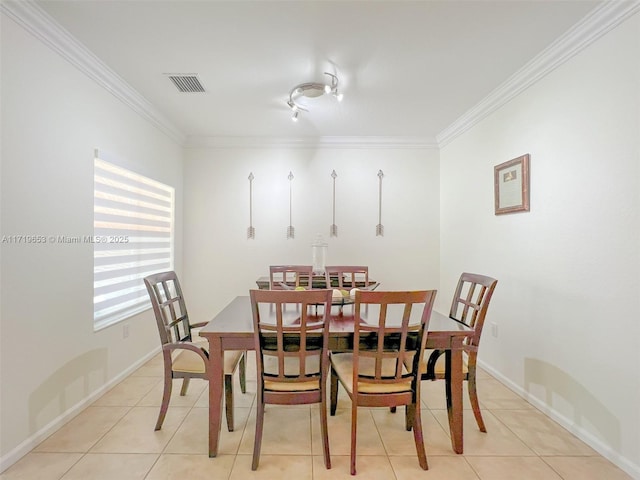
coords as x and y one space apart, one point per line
113 439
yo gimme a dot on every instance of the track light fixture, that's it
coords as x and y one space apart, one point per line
312 90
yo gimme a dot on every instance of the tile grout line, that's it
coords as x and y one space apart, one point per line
384 446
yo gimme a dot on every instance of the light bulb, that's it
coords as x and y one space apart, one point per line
327 89
295 116
339 96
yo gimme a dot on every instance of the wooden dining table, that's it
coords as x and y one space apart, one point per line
232 329
317 281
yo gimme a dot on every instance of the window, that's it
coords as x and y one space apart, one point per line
133 223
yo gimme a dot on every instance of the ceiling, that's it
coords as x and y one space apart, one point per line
407 69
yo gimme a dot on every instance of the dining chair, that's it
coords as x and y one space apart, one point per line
289 277
185 355
469 306
346 276
374 374
291 333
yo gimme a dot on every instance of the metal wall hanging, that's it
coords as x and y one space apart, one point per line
251 232
380 227
333 229
290 230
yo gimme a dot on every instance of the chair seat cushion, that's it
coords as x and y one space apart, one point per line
291 367
189 361
231 360
343 365
439 368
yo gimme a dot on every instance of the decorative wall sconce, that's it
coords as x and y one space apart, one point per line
380 227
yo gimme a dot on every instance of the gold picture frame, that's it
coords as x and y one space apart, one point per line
511 186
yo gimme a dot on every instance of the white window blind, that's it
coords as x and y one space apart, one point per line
133 231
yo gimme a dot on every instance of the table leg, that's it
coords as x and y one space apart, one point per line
216 386
454 379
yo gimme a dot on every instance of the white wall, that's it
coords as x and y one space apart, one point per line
567 269
221 263
567 300
53 117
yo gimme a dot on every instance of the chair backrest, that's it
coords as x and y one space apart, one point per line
398 333
169 307
471 302
346 276
291 275
291 325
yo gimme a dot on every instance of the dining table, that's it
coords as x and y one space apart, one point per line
232 329
317 281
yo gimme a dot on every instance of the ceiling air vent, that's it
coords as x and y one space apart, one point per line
186 83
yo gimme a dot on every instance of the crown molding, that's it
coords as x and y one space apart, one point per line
311 142
39 23
597 23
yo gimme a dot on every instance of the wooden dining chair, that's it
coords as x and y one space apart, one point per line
185 355
291 332
469 306
346 277
290 277
374 375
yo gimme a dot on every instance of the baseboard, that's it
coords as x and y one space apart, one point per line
605 450
34 440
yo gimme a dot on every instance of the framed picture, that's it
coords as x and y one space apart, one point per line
511 186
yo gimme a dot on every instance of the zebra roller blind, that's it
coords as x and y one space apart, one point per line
133 235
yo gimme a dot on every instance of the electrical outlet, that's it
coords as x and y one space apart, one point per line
125 330
494 329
